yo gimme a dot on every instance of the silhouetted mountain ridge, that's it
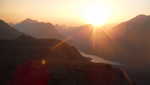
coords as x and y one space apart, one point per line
34 58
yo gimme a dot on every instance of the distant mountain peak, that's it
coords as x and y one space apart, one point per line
141 18
141 15
37 29
32 21
28 20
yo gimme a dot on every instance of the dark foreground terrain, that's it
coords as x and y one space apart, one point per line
53 62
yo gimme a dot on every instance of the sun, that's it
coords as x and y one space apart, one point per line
96 15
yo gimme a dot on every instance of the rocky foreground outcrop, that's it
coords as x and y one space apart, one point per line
53 62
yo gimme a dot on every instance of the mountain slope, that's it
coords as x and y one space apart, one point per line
133 37
7 32
133 43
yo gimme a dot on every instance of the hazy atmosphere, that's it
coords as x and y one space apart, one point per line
72 11
74 42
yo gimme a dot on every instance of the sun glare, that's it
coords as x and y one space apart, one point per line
96 15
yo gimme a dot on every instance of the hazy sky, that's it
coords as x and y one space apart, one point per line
69 11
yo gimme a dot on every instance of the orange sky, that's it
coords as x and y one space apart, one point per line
70 11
